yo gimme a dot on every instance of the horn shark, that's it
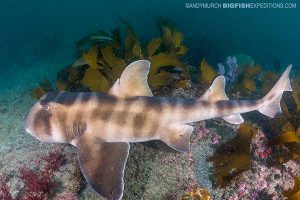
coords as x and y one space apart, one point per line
101 126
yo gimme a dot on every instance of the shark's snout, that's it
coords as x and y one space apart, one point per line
27 130
27 122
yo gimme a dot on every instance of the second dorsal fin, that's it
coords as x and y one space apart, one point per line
216 92
133 81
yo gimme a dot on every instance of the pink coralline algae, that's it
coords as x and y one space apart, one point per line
199 131
216 139
4 190
263 153
260 148
263 180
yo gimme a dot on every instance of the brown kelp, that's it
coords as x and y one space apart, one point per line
232 158
44 87
98 67
197 194
206 73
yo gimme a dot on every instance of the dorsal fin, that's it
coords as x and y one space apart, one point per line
216 92
133 81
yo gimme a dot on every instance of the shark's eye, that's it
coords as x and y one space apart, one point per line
45 107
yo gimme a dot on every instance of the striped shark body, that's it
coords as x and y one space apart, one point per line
101 126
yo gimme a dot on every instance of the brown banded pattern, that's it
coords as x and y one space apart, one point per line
226 106
139 122
41 122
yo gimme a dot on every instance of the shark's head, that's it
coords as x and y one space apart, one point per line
42 120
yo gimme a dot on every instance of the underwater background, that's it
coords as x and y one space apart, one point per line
39 40
36 34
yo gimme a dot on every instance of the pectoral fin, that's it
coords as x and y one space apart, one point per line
102 165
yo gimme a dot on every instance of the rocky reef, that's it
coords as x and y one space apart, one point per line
257 160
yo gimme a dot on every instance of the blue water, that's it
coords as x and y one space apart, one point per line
37 38
33 31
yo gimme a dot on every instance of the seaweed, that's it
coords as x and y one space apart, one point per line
90 57
171 37
132 44
296 92
160 79
162 60
269 79
97 68
207 73
95 80
232 158
152 47
197 194
294 194
289 140
69 78
114 64
248 79
42 89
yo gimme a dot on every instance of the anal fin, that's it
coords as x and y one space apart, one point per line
177 136
234 119
102 165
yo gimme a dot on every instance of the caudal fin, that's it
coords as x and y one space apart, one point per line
271 102
216 92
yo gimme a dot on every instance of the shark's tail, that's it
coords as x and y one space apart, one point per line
271 102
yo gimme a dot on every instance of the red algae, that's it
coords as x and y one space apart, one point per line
37 185
4 190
